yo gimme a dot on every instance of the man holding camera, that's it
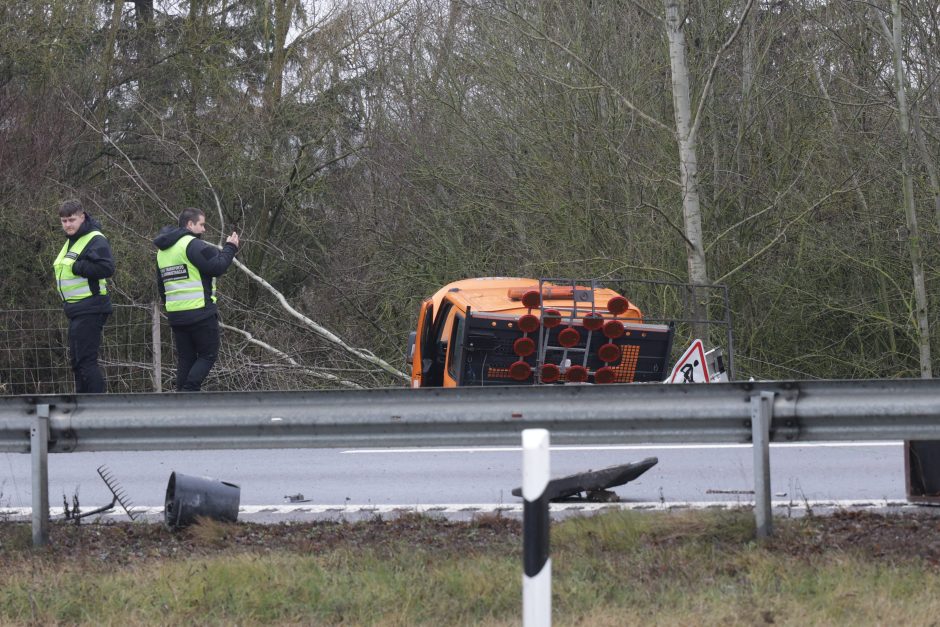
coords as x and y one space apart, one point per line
186 271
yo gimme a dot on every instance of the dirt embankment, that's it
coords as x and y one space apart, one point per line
122 543
892 538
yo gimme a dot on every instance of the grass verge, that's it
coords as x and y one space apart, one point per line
622 568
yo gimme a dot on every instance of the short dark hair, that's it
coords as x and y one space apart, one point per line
70 207
190 214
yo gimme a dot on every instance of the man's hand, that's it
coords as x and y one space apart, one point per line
233 239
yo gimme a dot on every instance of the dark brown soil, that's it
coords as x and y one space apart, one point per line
889 538
122 543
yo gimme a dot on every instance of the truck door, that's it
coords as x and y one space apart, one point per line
434 347
421 350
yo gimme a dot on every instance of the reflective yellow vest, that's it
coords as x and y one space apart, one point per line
182 281
73 288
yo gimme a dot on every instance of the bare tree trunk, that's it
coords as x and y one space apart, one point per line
144 12
283 13
748 72
688 161
907 181
447 40
108 60
273 87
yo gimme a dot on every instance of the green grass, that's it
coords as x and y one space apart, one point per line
615 569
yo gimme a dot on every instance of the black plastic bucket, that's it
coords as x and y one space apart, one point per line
189 497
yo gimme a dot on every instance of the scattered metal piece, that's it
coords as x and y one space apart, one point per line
118 494
595 483
729 491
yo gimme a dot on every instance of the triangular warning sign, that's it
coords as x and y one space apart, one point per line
691 367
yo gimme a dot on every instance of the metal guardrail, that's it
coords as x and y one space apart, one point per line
756 412
574 414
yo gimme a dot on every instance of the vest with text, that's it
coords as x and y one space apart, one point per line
182 281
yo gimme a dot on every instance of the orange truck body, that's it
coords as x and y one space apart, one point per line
519 331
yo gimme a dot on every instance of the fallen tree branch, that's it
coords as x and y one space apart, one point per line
293 362
323 332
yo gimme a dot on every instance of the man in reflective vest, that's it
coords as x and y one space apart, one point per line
186 271
81 270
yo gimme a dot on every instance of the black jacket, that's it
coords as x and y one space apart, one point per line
210 261
94 263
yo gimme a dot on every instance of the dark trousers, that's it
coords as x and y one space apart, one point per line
84 342
197 346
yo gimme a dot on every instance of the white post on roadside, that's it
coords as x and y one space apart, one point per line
537 582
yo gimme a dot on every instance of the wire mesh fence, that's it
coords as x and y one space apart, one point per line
34 351
136 356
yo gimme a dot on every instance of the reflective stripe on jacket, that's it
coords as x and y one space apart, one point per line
182 281
73 288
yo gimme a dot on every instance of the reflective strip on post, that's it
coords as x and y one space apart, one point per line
537 581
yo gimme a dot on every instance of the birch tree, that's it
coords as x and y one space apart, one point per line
687 138
894 35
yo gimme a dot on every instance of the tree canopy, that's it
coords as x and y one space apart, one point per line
369 152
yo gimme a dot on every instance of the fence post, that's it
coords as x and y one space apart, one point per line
157 355
537 582
762 407
39 451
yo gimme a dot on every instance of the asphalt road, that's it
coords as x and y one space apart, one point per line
333 478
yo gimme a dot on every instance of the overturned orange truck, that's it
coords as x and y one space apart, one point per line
517 331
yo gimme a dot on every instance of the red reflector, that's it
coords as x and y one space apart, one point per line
569 337
608 353
576 374
520 370
528 323
550 373
531 299
551 318
613 329
524 346
593 321
549 292
618 305
604 375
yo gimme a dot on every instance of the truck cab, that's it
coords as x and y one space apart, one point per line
522 331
